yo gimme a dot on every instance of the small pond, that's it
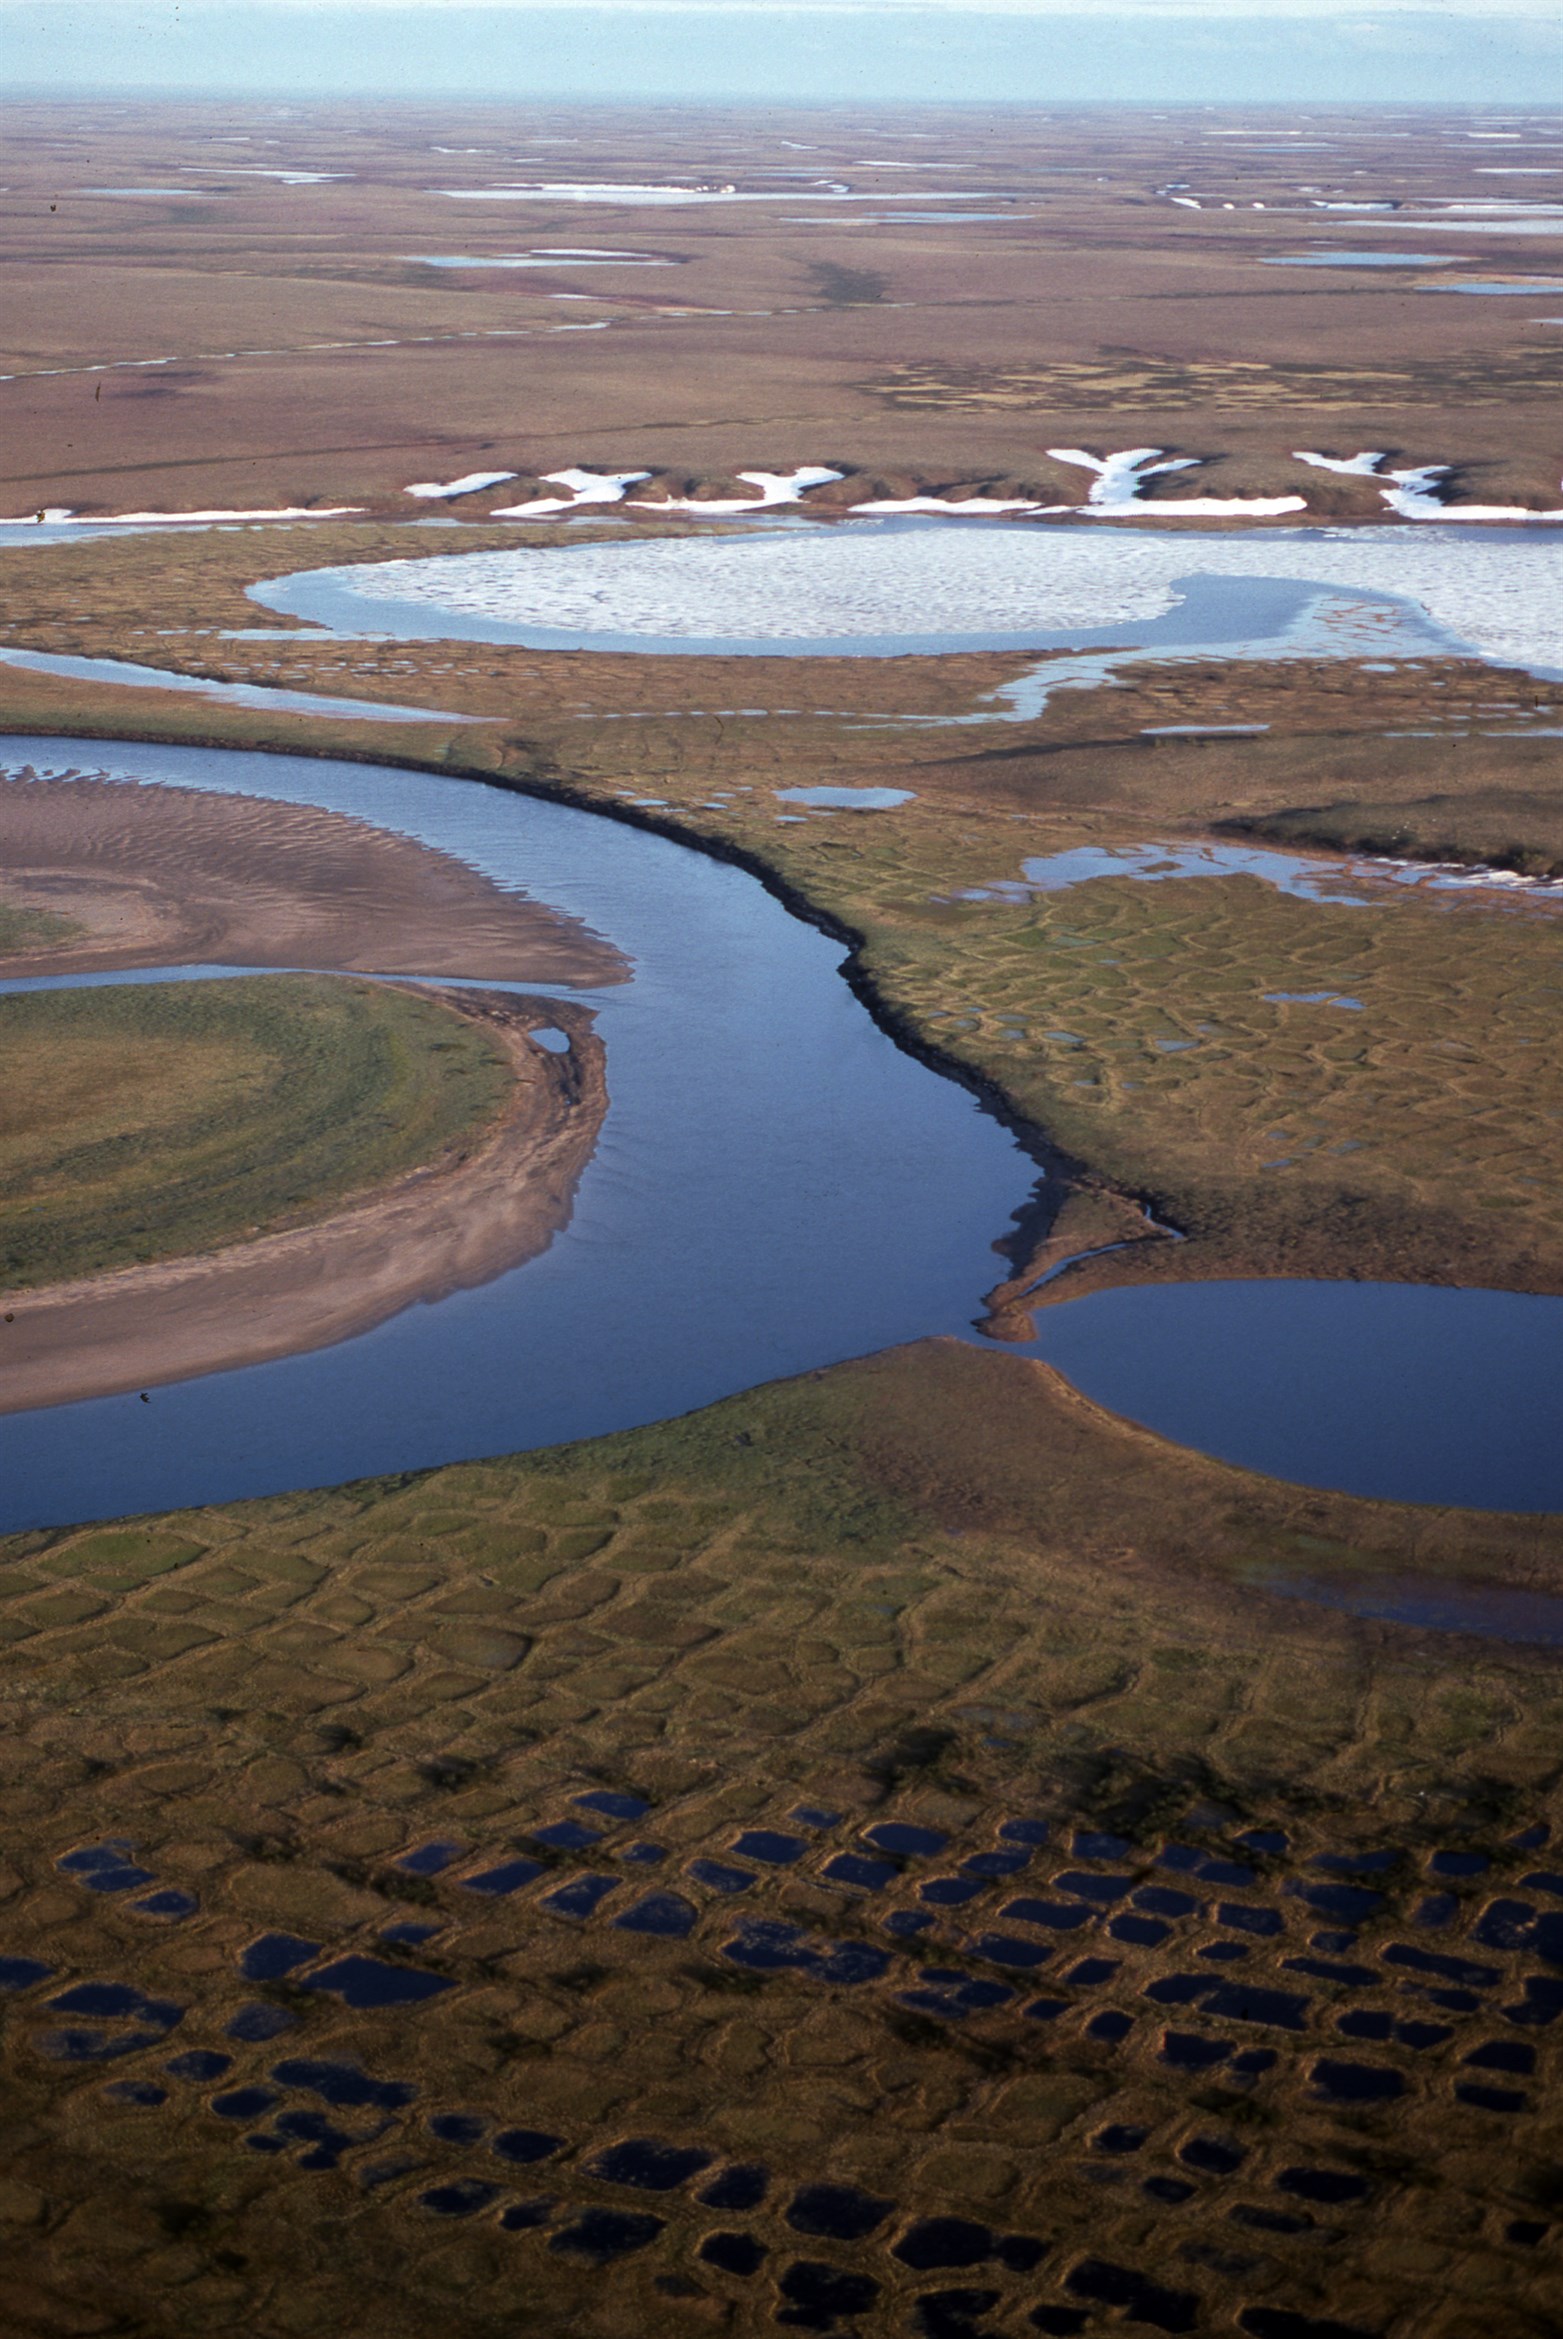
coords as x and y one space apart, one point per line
1370 1387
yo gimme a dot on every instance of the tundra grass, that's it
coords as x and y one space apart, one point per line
143 1121
1140 1026
930 1588
23 929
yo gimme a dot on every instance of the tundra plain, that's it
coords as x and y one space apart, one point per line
902 1851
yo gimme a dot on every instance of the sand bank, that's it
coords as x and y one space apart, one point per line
443 1228
158 876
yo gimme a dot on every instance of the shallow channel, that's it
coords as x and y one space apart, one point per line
778 1187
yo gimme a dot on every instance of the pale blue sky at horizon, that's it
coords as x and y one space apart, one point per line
864 52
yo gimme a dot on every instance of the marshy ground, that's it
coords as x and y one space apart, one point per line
883 1854
1171 1037
870 1857
1203 1972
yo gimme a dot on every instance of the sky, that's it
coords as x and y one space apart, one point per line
863 52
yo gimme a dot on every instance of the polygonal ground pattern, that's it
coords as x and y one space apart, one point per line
609 1893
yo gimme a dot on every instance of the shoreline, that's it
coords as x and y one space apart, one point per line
1406 1252
153 875
443 1228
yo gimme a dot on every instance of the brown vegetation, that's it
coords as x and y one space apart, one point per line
271 345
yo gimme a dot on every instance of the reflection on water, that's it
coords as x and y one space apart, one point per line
1491 1611
846 799
1359 259
1293 873
1210 616
1354 881
1409 1391
263 697
777 1187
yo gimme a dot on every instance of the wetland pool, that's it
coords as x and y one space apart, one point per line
920 586
777 1187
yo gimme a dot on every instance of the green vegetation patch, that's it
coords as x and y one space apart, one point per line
27 929
143 1121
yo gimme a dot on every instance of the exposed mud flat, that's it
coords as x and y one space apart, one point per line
440 1229
159 876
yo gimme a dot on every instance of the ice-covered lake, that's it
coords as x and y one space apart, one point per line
901 587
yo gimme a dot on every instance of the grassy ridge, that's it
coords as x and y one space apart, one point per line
143 1121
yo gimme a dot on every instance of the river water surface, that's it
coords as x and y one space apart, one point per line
777 1187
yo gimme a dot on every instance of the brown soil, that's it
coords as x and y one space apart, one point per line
161 876
271 346
443 1228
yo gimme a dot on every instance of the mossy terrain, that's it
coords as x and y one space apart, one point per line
1277 1072
1130 1022
1127 383
1183 1830
148 1120
1216 1985
23 929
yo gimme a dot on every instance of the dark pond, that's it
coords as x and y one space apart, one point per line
1414 1392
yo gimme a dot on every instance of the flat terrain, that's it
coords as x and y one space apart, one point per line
900 1852
414 1190
891 1802
208 1173
202 310
1143 1029
148 1120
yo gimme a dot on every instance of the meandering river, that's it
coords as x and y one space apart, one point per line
778 1186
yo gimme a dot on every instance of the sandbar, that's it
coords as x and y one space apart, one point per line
443 1228
163 876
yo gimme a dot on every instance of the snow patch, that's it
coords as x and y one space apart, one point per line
1119 478
1412 494
971 507
470 483
586 487
776 487
1348 466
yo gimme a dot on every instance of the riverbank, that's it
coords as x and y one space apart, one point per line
442 1228
1199 1076
157 876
